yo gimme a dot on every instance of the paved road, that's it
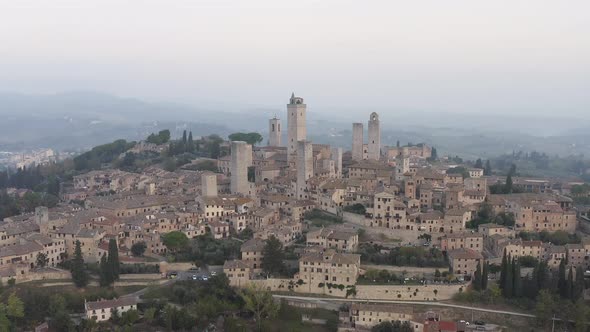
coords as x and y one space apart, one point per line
438 304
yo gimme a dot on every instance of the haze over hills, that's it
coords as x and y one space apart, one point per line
80 120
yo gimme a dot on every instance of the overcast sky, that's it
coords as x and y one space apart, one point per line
508 56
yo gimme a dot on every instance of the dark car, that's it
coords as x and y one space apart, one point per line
479 322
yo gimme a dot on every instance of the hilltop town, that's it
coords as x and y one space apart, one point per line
359 235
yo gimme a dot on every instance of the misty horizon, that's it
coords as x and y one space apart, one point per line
462 57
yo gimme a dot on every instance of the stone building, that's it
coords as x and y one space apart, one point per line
329 267
374 137
239 168
296 131
333 238
454 241
357 141
209 184
464 261
252 253
365 316
304 167
102 310
274 132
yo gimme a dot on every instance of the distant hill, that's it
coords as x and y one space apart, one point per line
81 120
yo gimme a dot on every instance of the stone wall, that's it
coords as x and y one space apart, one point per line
432 292
140 276
409 293
410 270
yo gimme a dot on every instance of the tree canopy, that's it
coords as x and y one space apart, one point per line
250 138
273 255
175 240
162 137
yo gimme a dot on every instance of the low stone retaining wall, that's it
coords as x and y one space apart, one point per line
431 292
145 276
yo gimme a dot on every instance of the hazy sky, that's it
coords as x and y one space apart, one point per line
466 56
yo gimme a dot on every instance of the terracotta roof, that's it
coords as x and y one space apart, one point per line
107 304
464 254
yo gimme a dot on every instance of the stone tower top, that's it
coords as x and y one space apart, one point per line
295 100
374 117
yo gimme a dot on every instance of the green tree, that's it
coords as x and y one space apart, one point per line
79 273
485 275
4 321
562 281
175 241
503 271
434 154
138 248
545 307
357 208
581 316
15 307
517 283
41 260
190 144
113 259
106 276
57 303
569 287
129 317
273 255
260 302
578 288
508 187
477 277
162 137
487 171
509 279
150 314
184 139
478 163
250 138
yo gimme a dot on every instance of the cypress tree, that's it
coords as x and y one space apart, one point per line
184 138
509 279
532 285
508 185
517 282
79 274
105 272
561 279
191 143
579 283
569 288
503 271
488 169
543 277
113 260
478 163
477 277
484 276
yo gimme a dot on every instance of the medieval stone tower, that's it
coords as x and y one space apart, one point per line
274 132
296 124
357 141
42 219
239 167
209 184
374 137
304 167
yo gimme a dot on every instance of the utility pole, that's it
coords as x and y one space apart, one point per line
553 323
